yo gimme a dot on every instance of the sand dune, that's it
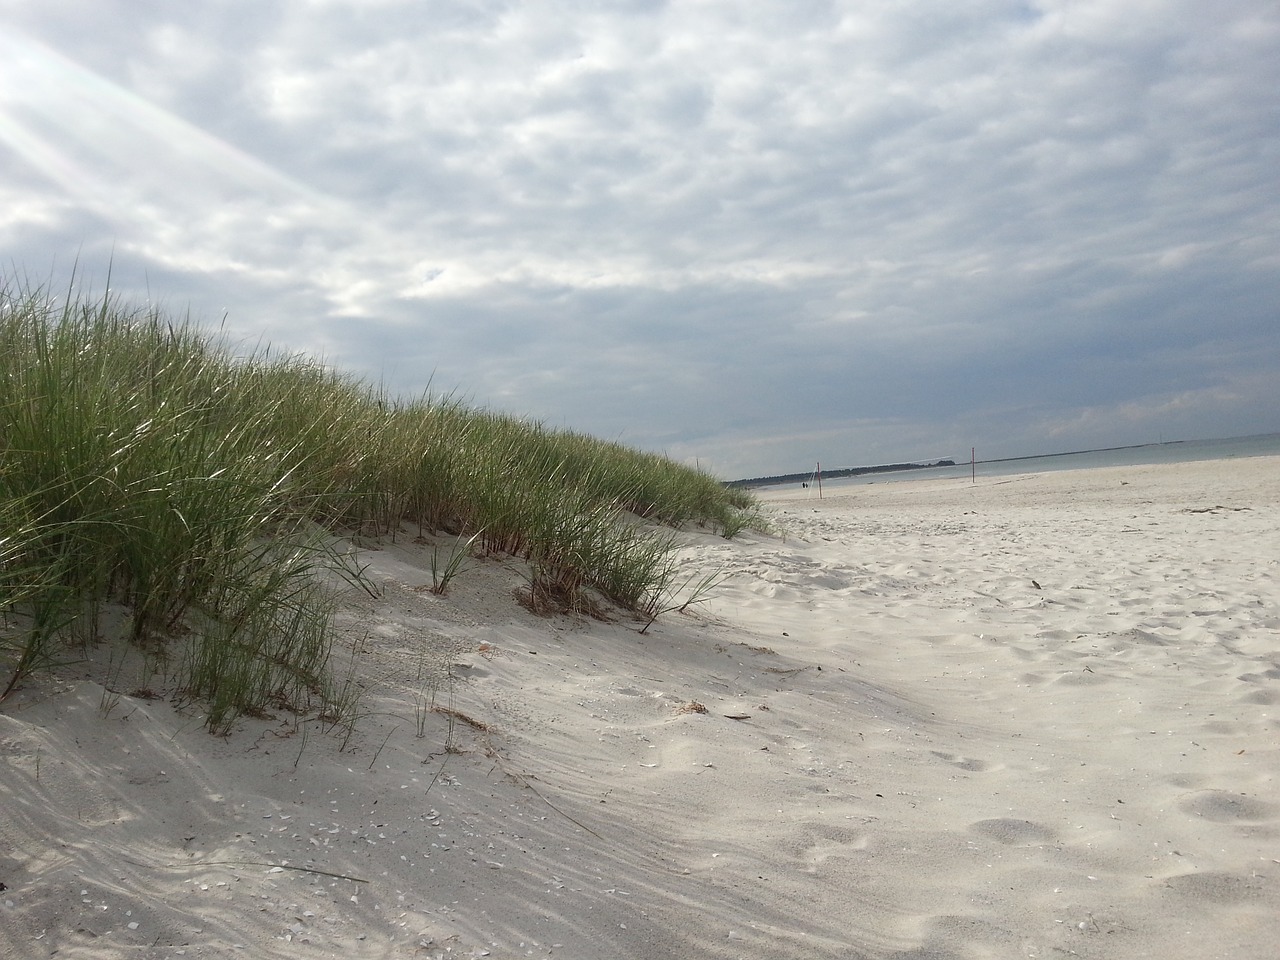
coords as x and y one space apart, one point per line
1034 716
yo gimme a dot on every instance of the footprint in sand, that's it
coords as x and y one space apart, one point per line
964 763
1272 674
1147 637
1012 832
1264 697
1220 887
817 843
1265 694
957 930
1223 807
11 747
1081 678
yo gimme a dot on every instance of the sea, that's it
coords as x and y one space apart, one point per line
1175 451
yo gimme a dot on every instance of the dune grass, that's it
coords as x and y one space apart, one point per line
143 465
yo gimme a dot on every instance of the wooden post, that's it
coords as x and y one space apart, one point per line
973 469
819 480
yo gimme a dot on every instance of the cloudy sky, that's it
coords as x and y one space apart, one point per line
752 235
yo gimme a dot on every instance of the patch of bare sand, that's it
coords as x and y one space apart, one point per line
1030 717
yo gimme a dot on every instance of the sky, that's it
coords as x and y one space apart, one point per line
752 236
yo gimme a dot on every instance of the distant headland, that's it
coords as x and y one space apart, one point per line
1165 451
835 474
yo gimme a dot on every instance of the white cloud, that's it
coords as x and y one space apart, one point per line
687 223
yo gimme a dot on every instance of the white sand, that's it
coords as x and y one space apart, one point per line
936 758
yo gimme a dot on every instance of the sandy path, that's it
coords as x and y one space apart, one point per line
909 749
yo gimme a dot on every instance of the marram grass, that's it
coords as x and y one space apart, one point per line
143 465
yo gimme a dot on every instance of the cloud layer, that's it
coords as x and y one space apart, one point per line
751 235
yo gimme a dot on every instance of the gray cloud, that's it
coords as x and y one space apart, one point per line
751 235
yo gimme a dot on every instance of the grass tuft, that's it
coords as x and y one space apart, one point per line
144 464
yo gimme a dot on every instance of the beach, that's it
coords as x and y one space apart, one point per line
1033 716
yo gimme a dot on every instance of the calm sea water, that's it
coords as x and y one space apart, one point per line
1182 451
